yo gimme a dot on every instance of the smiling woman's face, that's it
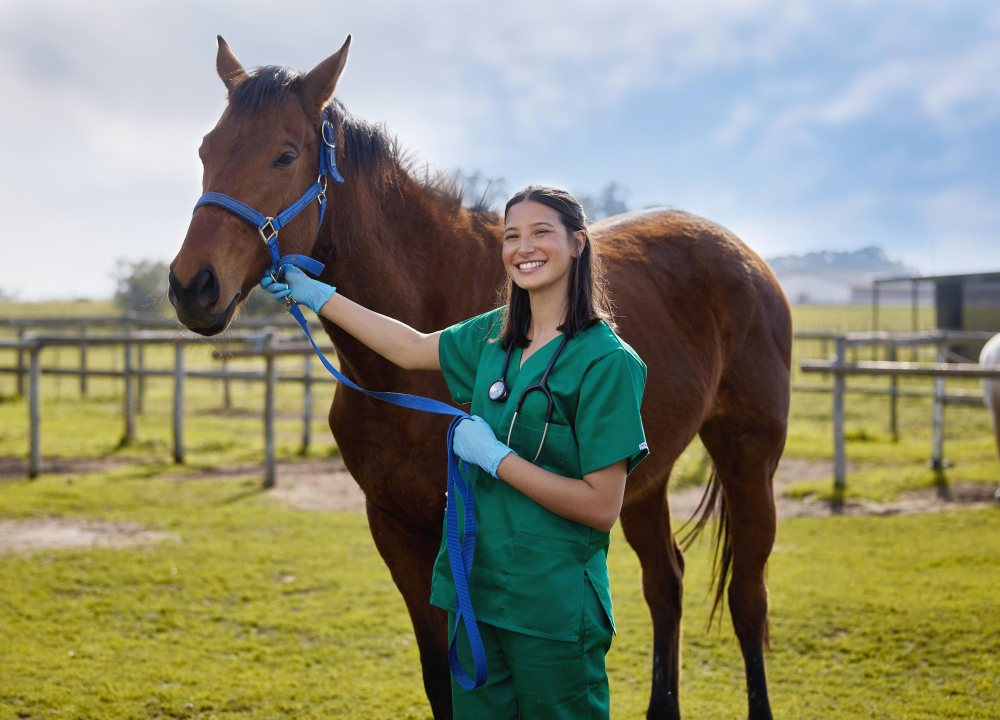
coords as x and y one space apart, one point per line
537 249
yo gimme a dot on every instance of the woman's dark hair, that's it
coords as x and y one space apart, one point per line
589 300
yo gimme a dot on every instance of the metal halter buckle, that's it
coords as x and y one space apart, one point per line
288 300
322 180
266 237
322 132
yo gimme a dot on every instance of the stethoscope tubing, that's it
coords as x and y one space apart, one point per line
542 384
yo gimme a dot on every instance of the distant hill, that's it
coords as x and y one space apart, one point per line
837 277
866 260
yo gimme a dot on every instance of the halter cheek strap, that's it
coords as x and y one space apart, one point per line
460 547
268 227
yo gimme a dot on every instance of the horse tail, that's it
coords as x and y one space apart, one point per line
713 506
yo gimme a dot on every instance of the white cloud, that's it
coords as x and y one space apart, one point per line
954 92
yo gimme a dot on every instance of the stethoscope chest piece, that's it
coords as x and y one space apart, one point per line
499 391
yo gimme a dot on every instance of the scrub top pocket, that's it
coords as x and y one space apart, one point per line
550 608
526 436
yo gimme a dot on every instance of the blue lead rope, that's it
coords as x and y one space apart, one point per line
460 549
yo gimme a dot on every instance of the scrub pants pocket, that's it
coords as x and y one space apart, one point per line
532 678
497 698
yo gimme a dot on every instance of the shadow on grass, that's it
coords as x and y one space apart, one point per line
241 495
941 483
837 501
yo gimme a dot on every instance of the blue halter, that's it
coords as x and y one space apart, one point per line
268 227
460 548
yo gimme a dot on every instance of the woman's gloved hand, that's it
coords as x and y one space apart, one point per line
302 288
476 443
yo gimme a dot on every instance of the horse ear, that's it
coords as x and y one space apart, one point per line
319 83
229 68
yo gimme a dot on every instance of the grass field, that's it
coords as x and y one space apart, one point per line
261 611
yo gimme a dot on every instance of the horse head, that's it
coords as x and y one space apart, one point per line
264 152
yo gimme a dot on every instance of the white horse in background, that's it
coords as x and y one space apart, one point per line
991 390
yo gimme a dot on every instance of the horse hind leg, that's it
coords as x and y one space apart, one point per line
991 395
646 524
745 452
996 434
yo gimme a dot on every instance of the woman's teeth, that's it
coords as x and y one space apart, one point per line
530 265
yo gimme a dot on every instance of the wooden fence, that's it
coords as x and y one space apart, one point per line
840 369
269 346
266 344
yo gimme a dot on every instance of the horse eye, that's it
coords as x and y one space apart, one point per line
285 160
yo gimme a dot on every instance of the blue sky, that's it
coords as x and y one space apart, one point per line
799 125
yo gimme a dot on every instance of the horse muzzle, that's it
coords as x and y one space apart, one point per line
196 303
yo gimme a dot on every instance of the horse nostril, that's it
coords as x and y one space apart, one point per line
205 287
173 287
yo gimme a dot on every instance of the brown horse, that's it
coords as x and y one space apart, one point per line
702 309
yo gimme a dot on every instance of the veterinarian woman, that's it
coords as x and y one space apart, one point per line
547 492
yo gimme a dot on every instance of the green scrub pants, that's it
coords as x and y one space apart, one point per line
532 678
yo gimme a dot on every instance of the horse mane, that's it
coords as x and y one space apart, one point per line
368 148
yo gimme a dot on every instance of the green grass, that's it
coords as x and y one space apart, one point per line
266 612
59 308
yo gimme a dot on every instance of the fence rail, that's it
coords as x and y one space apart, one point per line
266 345
840 369
269 346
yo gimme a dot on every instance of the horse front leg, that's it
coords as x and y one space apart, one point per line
410 554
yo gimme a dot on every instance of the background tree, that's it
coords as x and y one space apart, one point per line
142 286
609 201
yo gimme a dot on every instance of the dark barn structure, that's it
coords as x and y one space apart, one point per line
962 302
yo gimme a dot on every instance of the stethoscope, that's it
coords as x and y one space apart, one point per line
500 392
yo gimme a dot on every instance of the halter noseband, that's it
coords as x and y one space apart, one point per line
268 227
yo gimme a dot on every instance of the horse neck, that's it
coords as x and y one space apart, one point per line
409 257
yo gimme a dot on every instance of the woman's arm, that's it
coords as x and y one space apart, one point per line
596 500
394 340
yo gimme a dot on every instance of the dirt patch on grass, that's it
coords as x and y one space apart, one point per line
47 533
326 485
795 470
304 485
14 468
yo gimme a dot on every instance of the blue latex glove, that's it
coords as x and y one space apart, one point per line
302 288
476 443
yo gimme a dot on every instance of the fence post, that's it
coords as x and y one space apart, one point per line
20 363
179 403
937 452
272 376
893 393
57 364
140 403
34 413
227 400
129 399
306 403
839 465
83 362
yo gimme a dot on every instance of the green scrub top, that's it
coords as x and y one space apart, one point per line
530 564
